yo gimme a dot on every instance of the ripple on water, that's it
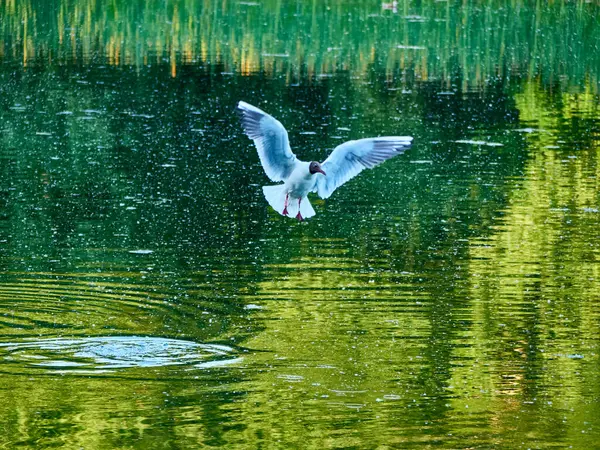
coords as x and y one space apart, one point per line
90 355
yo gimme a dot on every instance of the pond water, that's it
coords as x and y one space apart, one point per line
150 298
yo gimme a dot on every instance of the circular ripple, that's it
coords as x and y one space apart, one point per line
110 353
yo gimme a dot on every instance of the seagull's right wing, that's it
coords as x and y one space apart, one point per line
350 158
271 141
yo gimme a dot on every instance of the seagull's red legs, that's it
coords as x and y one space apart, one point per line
299 216
285 211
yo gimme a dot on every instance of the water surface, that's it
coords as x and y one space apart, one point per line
151 299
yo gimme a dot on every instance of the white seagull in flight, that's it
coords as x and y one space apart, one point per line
299 178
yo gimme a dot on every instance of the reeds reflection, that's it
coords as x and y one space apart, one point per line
435 40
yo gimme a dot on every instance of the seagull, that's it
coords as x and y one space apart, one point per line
299 177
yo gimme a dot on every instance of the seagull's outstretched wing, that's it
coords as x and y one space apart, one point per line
350 158
271 141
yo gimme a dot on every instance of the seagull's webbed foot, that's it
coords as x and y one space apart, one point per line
299 216
285 211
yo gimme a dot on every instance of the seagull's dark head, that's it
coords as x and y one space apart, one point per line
315 167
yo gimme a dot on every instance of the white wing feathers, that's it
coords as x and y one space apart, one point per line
271 140
345 162
350 158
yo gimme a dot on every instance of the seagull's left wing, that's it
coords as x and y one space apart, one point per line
271 140
350 158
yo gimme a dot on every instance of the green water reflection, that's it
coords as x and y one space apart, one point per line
448 298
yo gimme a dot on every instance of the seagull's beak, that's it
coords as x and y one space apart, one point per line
321 171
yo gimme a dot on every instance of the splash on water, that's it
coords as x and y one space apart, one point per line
110 353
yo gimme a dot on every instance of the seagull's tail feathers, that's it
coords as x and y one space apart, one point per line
276 196
306 209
